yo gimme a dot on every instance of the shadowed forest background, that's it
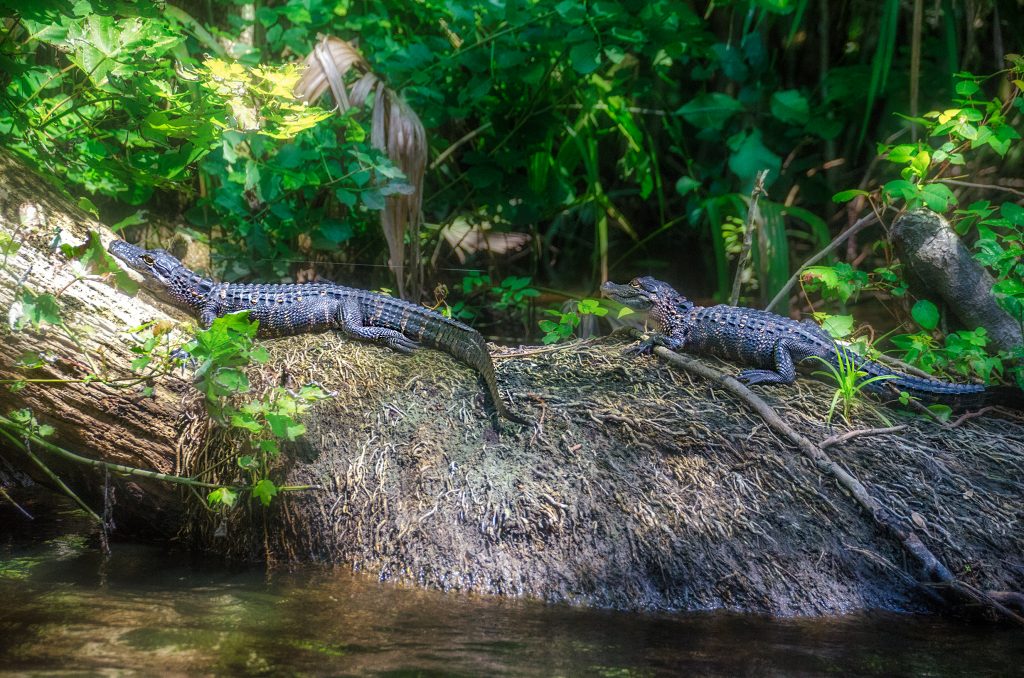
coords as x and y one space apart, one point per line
562 144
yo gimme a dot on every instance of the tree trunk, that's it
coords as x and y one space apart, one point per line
939 265
637 486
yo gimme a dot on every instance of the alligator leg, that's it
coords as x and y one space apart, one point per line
350 321
645 346
784 372
207 316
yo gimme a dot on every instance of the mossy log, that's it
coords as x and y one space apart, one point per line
638 486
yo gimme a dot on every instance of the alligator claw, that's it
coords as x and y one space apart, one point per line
643 347
187 361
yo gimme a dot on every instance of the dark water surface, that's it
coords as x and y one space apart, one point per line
64 608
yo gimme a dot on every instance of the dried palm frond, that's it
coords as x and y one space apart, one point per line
395 129
466 239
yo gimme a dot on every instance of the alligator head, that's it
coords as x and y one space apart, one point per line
641 294
163 273
156 264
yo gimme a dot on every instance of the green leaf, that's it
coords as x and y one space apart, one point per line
711 110
246 421
30 360
902 153
246 461
938 197
259 355
345 197
838 326
8 245
920 163
284 427
265 490
222 495
790 106
966 88
231 380
1013 212
901 189
141 363
686 184
941 412
38 310
372 199
846 196
266 16
585 57
925 314
86 205
133 219
94 256
750 156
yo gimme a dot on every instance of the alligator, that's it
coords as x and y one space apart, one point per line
288 309
773 346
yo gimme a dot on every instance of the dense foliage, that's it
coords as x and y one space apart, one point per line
623 137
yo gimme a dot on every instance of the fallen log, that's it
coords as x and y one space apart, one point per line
638 485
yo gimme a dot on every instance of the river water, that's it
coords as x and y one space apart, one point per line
148 611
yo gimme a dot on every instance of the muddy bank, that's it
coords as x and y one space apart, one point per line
638 486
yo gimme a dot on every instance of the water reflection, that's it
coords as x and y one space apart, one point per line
65 608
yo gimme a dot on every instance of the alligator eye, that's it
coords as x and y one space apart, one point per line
148 259
634 283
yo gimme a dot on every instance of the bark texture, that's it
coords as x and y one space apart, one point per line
938 264
117 425
637 486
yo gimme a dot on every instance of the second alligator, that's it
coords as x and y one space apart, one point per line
773 346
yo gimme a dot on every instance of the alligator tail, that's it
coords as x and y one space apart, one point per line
937 391
460 341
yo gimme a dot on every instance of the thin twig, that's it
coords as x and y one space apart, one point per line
454 147
24 445
850 435
987 187
15 504
77 458
857 227
748 235
968 416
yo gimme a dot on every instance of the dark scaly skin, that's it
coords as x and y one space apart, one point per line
773 345
284 310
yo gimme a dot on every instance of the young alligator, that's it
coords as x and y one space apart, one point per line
312 307
773 345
